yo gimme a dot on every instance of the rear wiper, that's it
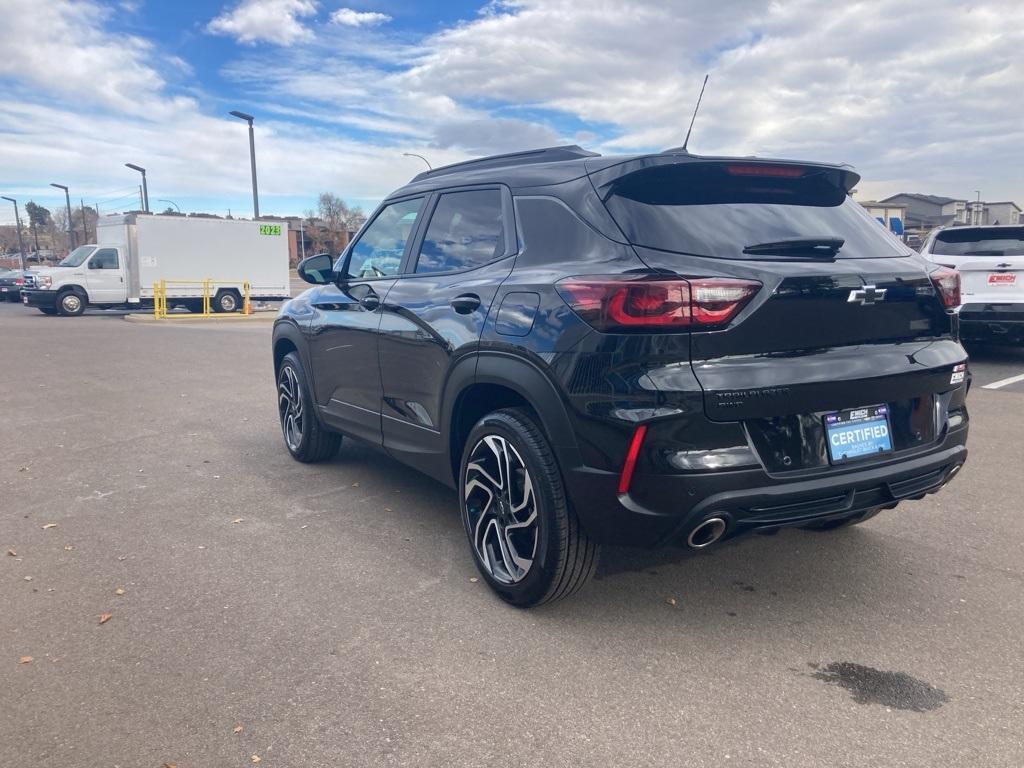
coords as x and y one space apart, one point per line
814 247
984 253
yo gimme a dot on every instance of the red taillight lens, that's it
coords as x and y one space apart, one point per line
947 283
615 304
19 281
629 465
771 171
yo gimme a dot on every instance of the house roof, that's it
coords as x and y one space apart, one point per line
933 199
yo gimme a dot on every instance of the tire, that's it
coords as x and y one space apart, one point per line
846 522
305 437
226 300
70 303
563 557
47 310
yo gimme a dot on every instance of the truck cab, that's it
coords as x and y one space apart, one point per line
90 275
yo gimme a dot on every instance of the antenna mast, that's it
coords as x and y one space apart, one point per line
688 130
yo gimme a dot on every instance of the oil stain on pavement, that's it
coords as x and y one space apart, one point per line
896 690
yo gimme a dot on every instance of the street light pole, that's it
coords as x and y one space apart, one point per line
252 160
176 207
421 157
71 231
145 188
17 224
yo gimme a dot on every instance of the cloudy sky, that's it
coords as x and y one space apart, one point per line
918 96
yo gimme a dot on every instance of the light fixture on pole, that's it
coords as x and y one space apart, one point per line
176 207
145 188
17 224
252 160
421 157
71 231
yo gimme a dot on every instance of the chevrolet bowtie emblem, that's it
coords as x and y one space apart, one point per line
869 294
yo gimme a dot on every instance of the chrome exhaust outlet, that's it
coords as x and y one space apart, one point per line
707 533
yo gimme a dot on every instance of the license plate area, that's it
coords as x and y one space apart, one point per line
857 433
1002 279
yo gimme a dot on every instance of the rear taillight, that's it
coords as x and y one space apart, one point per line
618 304
947 282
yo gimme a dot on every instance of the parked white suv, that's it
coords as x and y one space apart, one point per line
991 264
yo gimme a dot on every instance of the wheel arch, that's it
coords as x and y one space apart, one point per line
287 338
490 381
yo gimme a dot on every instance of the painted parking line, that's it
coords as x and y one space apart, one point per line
1004 382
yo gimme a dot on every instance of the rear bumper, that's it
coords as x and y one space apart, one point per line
35 297
663 509
1005 320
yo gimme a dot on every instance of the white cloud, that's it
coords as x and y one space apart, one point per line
933 110
350 18
272 21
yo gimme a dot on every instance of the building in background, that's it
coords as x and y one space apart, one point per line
892 216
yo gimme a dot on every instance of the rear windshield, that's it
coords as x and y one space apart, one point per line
980 241
717 210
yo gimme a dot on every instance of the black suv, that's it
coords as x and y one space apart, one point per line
643 350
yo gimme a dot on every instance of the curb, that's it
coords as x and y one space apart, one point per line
146 318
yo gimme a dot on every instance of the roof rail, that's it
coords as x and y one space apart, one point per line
546 155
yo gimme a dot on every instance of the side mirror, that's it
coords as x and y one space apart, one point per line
318 270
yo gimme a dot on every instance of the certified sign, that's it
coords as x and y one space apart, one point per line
1002 278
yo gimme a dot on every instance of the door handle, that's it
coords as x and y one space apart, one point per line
370 302
465 303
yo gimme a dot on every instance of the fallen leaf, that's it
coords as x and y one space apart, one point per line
388 509
170 765
474 579
105 617
256 759
25 660
28 578
670 600
355 485
68 547
12 553
49 525
119 591
237 729
238 520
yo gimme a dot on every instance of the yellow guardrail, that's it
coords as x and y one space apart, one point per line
160 298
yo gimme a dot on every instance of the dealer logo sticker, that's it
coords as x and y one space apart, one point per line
959 372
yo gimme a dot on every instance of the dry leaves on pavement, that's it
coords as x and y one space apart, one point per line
48 526
105 617
25 660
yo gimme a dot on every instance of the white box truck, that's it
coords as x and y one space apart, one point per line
134 251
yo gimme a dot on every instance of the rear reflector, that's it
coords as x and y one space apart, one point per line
617 304
947 283
626 476
773 171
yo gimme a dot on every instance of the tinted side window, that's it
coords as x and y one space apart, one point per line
104 258
379 250
466 230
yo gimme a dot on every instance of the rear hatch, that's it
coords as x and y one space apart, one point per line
990 260
845 317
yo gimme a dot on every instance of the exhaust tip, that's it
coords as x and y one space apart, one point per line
707 533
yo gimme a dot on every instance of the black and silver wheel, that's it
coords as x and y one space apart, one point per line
526 540
71 303
226 301
305 436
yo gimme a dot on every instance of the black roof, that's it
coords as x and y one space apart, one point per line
557 165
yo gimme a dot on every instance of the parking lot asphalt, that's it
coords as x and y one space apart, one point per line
266 612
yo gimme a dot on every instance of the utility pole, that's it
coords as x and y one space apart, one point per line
145 188
71 231
85 227
252 160
17 225
302 238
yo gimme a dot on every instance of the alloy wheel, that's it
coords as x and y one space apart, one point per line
502 509
289 401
